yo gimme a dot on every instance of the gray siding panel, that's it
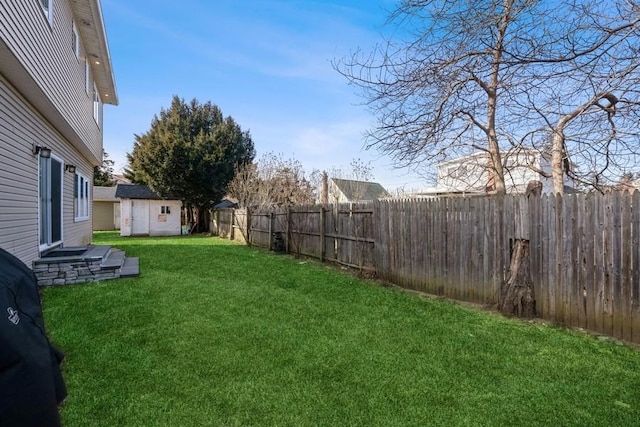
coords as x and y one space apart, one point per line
21 126
46 53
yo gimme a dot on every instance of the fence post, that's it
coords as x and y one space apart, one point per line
248 226
288 229
322 232
233 225
271 230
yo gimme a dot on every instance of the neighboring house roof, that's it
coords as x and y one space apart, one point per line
104 194
134 191
360 190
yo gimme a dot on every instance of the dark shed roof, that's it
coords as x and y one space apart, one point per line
134 191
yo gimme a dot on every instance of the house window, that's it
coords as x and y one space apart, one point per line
47 8
96 104
50 195
75 41
81 197
166 210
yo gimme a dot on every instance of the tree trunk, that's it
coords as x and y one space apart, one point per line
557 155
192 218
496 166
516 294
324 189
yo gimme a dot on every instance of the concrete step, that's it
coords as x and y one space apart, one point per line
130 267
97 252
113 261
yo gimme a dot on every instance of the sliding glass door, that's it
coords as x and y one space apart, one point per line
50 202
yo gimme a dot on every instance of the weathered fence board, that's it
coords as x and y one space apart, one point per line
589 287
635 267
626 239
599 263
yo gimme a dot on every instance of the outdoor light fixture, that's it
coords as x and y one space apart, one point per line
43 151
70 168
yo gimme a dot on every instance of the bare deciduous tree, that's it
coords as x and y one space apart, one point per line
276 182
491 75
273 181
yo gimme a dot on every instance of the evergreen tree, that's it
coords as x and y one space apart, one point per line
103 175
190 152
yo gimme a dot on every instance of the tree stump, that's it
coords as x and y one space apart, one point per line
517 295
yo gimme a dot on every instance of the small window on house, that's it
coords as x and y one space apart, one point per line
81 197
96 104
47 8
165 210
75 41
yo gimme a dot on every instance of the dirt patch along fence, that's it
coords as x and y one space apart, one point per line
584 249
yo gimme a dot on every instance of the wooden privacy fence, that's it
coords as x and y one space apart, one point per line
341 233
584 249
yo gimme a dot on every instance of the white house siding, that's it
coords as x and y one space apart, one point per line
21 126
31 47
471 174
465 174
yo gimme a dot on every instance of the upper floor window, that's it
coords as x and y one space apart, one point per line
96 104
47 8
75 41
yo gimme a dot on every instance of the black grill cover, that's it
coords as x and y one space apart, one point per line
31 384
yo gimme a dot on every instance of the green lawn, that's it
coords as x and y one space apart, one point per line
214 333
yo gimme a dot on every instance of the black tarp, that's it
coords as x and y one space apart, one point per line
31 384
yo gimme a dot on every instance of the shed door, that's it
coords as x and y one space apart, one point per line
139 217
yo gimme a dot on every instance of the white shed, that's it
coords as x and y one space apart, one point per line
144 213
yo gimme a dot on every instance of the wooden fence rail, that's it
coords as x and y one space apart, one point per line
584 248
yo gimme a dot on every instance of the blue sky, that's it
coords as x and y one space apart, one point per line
265 63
